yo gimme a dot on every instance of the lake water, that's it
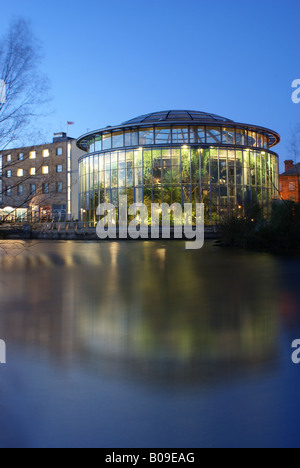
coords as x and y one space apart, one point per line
145 344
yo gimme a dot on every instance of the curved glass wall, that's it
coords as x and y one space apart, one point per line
225 179
178 135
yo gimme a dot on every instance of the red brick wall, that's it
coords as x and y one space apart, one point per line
286 191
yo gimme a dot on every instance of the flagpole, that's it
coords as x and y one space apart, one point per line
68 125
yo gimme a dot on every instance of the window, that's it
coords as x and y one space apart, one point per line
46 153
180 134
59 168
131 138
8 192
33 189
213 135
106 141
9 174
9 158
241 137
32 155
45 170
252 138
45 188
20 172
98 143
59 187
20 190
146 136
59 151
33 171
163 135
292 187
21 157
118 139
228 136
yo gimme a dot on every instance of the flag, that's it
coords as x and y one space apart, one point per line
71 123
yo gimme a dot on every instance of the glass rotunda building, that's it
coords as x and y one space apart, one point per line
180 157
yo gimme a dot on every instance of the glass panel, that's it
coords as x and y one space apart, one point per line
260 140
214 166
156 164
166 166
180 135
122 159
101 180
176 194
107 179
246 168
128 138
231 167
163 135
195 164
134 137
129 169
117 139
252 139
186 194
138 158
92 145
148 197
146 136
205 166
167 195
130 196
139 195
98 143
176 175
175 156
106 139
186 165
201 134
193 135
147 167
253 168
101 162
239 168
228 136
157 194
122 177
258 169
114 178
241 137
107 161
213 135
114 160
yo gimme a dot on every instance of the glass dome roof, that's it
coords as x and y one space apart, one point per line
177 115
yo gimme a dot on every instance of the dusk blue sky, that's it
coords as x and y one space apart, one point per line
109 61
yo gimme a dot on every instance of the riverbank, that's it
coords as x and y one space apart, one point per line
76 231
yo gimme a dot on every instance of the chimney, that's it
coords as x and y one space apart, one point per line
288 165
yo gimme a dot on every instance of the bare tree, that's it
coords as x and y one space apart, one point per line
24 88
23 92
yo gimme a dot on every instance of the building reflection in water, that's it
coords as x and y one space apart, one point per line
145 310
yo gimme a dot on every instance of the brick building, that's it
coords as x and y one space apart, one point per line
290 182
40 182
